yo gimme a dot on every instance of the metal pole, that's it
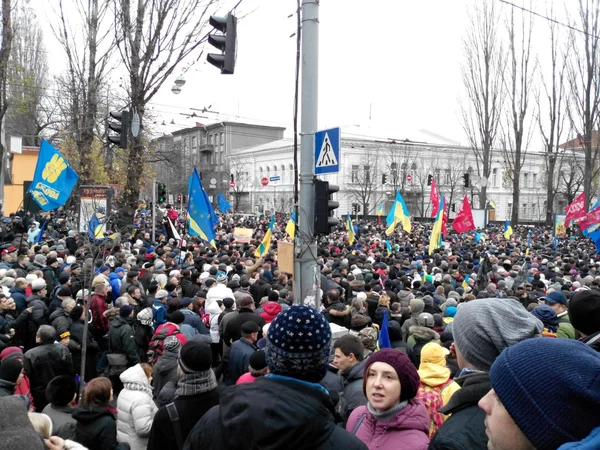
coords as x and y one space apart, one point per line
305 248
153 211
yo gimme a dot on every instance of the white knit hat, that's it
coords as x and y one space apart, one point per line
38 284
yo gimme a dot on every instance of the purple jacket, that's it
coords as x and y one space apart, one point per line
407 431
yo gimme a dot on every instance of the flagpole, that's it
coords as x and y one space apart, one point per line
153 211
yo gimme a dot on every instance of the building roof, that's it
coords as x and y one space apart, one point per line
201 126
576 144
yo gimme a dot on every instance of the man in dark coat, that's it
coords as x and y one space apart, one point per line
76 344
196 393
337 312
17 293
241 350
299 410
349 359
45 362
121 340
482 329
233 329
260 289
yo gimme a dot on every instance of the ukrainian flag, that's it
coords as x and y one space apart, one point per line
290 228
435 240
388 247
491 204
508 231
350 229
465 283
265 245
398 214
200 221
380 210
95 228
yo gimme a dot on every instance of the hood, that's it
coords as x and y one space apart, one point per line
357 285
272 308
87 415
111 313
57 313
119 322
356 372
134 374
433 374
423 334
413 417
212 308
296 414
166 362
16 289
113 276
33 298
338 310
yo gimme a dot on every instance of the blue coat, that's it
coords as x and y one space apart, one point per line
239 355
159 313
115 283
193 320
19 296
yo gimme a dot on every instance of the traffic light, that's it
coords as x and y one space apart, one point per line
453 207
178 198
384 178
185 199
429 180
162 193
226 42
466 179
121 127
324 206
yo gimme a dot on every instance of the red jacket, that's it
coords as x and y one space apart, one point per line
172 328
98 306
270 310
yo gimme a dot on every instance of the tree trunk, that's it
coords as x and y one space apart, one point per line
514 217
482 197
550 190
7 35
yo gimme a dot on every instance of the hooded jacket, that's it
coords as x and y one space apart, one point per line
213 309
96 428
300 417
419 336
115 282
18 295
60 320
121 340
270 311
438 377
353 396
136 409
408 430
164 370
339 314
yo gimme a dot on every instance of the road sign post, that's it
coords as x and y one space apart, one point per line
264 181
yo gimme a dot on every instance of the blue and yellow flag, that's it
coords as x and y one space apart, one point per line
265 245
199 209
95 228
224 205
350 229
465 283
388 247
398 214
384 335
508 231
491 204
290 228
53 180
40 235
435 240
380 210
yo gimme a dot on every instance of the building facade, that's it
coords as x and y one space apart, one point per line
372 171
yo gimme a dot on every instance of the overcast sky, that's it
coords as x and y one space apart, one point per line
388 68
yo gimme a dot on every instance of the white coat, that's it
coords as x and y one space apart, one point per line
136 409
213 309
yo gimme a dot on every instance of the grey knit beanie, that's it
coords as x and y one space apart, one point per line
15 427
483 328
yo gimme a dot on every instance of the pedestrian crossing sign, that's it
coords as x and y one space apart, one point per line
327 151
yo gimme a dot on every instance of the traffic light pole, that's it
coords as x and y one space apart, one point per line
153 211
305 250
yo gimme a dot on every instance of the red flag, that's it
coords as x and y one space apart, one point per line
576 209
445 221
591 218
434 197
464 219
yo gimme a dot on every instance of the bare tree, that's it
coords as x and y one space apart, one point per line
153 39
517 81
451 179
398 161
552 121
5 47
482 73
364 186
571 176
239 169
584 82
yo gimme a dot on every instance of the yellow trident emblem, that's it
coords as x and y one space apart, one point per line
54 168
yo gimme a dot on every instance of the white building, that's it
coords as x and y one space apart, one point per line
406 166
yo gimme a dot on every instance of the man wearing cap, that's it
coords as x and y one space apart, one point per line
584 311
132 279
159 308
196 393
522 414
51 272
115 280
233 329
39 314
558 302
60 319
9 256
241 350
482 328
192 318
286 408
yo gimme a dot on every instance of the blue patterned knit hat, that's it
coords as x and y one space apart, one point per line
299 344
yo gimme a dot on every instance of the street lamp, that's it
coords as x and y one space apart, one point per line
176 89
180 81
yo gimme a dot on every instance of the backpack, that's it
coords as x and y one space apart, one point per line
157 344
432 400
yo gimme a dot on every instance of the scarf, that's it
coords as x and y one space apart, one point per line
196 383
387 414
136 386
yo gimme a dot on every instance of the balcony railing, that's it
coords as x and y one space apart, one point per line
206 148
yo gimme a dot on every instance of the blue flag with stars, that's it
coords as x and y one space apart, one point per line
200 211
224 205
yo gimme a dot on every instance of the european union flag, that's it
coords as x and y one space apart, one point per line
224 205
199 211
595 236
38 238
53 180
384 335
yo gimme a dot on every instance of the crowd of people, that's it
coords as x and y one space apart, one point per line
129 343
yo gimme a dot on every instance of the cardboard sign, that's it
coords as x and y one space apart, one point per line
285 257
242 235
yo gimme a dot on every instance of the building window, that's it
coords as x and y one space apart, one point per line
367 174
524 209
534 180
525 179
354 175
447 174
210 139
394 168
509 210
194 142
222 138
495 177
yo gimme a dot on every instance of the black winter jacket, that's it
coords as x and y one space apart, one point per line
233 329
465 428
339 314
96 429
60 320
121 340
299 417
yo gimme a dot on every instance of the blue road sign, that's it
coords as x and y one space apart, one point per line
327 151
275 178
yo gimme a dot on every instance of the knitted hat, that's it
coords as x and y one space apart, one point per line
483 328
76 312
125 310
584 311
145 316
185 302
172 344
416 306
407 373
8 351
63 292
38 284
228 302
60 390
299 344
10 369
15 427
564 408
195 357
451 311
177 318
50 260
257 360
64 277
